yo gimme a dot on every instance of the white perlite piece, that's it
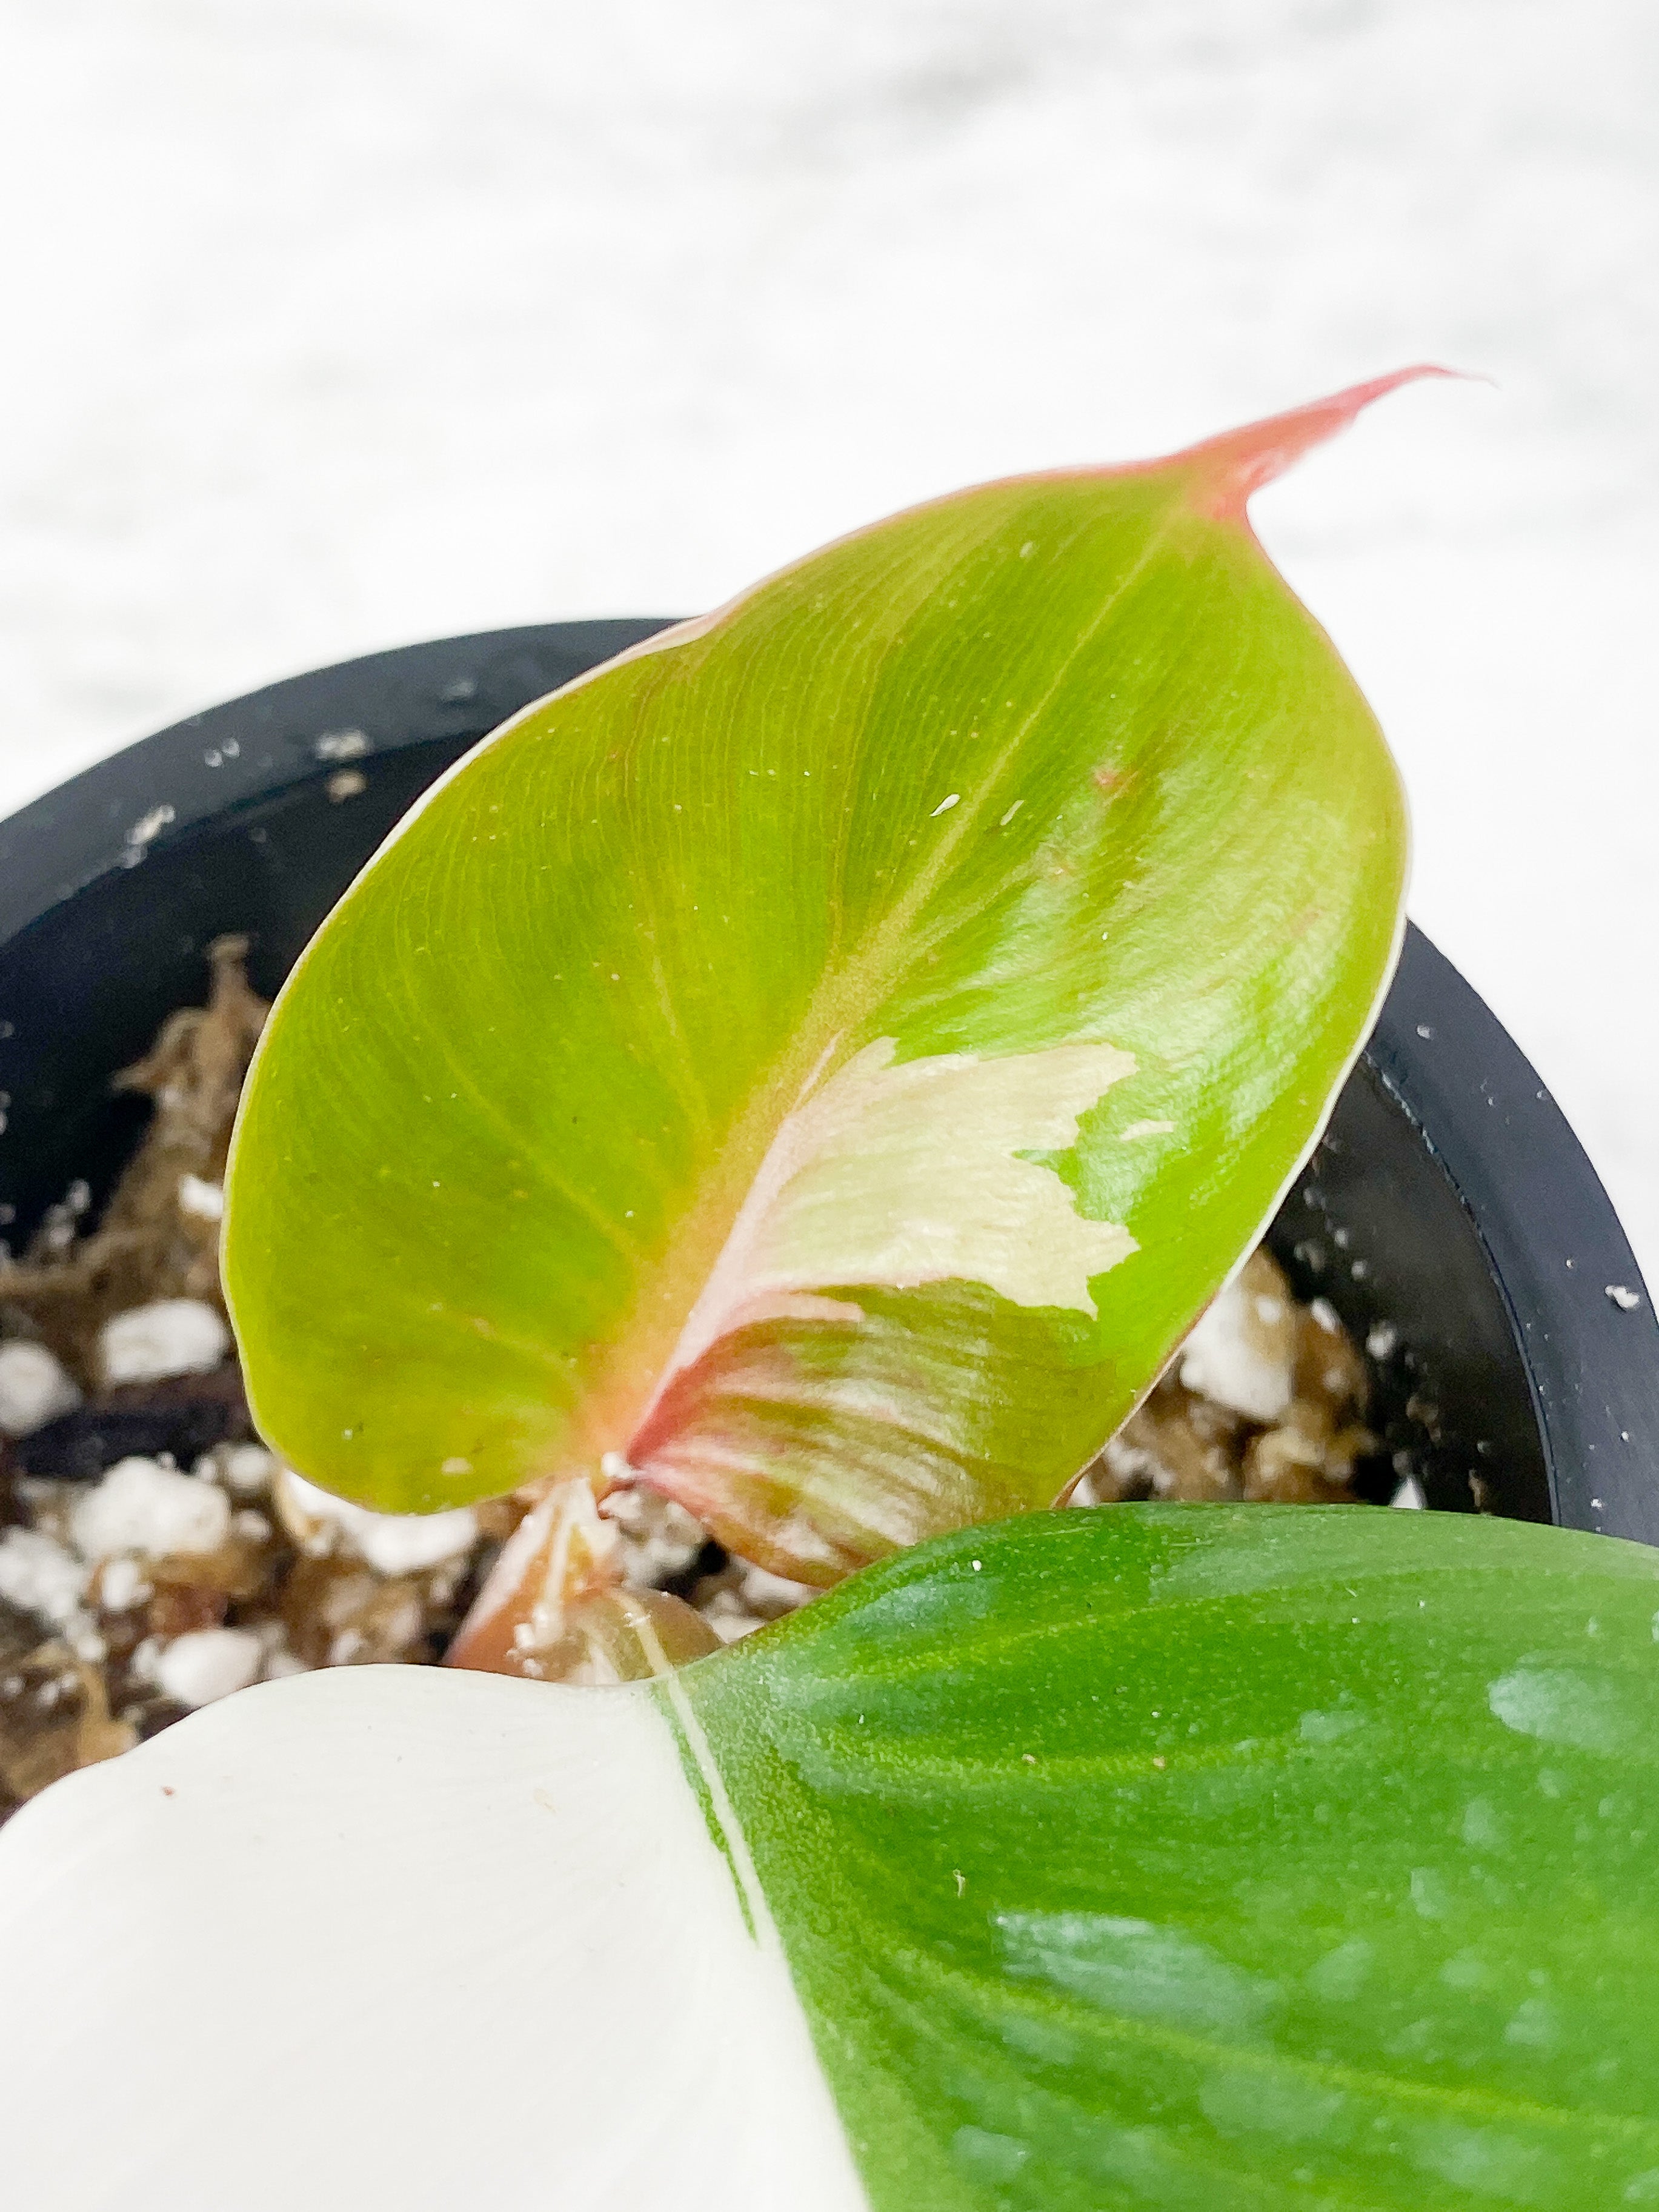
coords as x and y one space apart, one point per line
1242 1353
360 1843
208 1663
248 1469
659 1538
142 1507
761 1588
1126 1463
38 1576
34 1389
173 1336
122 1586
206 1200
391 1543
730 1618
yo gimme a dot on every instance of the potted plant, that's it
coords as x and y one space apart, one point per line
1156 1855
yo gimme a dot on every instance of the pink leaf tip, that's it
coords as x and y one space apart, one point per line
1230 468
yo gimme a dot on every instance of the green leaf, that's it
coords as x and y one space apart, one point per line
827 1058
1219 1858
1147 1859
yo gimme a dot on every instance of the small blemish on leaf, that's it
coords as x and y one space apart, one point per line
997 2157
1009 815
961 1880
1536 2025
1330 1727
1339 1976
945 805
1430 1896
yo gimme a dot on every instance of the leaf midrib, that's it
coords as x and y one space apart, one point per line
640 1359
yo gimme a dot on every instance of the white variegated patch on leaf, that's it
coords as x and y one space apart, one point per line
392 1936
918 1173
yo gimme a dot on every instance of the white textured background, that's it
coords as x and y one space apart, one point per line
334 324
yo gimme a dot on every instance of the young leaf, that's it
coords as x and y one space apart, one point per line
1230 1858
822 1062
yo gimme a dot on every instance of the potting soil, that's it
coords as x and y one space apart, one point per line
154 1556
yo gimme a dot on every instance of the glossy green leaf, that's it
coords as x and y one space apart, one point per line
823 1060
1147 1859
1220 1859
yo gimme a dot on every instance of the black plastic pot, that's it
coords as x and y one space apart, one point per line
1450 1206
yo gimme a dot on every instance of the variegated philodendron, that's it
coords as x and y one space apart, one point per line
820 1066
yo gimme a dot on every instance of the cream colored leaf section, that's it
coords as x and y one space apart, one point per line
401 1939
897 1173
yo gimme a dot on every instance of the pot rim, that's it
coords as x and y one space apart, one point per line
1583 1324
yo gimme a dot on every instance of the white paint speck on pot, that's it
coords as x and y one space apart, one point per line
34 1389
173 1336
208 1663
341 745
142 1507
149 826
